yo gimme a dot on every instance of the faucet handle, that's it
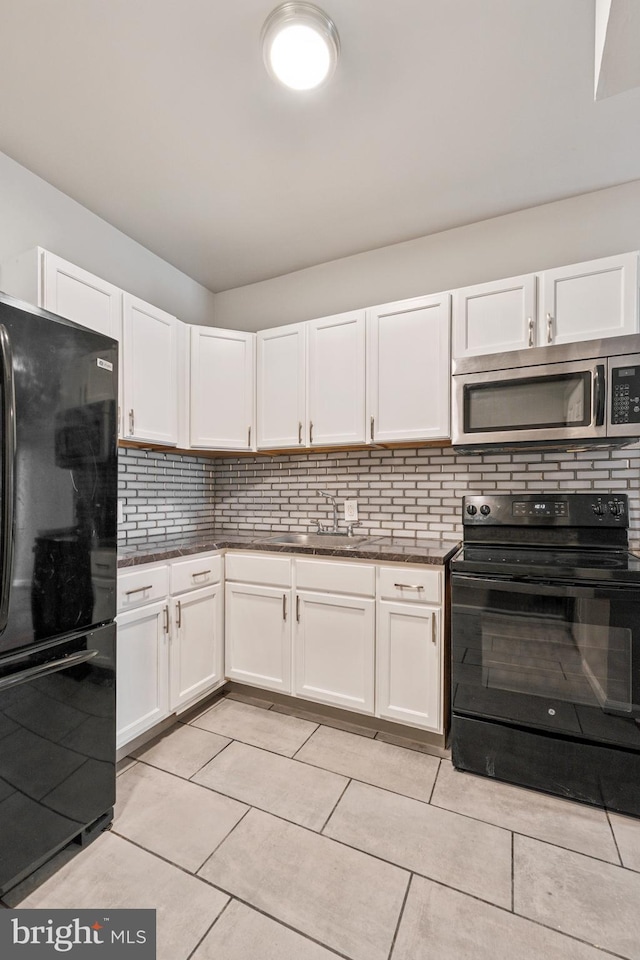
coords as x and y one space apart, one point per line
357 523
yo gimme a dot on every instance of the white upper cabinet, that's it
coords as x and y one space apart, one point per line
336 379
150 373
79 296
494 317
281 412
221 393
583 301
587 301
47 281
408 369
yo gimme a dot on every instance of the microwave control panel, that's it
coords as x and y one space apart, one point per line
625 392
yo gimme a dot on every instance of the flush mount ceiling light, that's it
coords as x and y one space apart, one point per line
300 45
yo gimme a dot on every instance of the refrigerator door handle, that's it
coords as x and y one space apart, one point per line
8 471
32 673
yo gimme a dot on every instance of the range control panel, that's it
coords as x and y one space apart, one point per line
570 510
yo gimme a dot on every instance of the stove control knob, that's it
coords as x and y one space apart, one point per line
598 509
485 509
614 508
471 510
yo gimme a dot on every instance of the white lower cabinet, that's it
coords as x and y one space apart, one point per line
196 663
258 635
334 650
409 664
142 687
170 649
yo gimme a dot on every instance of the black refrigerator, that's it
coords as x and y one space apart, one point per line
58 509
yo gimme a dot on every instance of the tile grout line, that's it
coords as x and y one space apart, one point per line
513 882
400 916
435 780
209 929
615 840
333 809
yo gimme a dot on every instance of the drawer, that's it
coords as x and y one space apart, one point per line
336 577
142 585
199 571
104 563
417 584
268 569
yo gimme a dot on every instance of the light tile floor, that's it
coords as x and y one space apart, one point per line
259 834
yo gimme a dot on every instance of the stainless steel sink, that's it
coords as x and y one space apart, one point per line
339 540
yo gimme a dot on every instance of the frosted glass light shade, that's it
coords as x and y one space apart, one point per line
300 45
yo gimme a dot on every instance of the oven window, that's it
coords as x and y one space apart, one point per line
528 403
548 658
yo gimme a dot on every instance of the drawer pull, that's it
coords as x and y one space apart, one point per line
200 573
409 586
128 593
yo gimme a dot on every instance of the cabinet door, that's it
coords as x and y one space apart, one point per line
336 379
408 370
142 687
281 387
587 301
79 296
333 652
494 317
196 650
409 664
221 389
150 373
258 636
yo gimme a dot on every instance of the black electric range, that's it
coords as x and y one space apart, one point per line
546 646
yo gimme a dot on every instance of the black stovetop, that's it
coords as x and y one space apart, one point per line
548 562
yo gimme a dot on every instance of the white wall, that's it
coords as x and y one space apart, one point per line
567 231
33 213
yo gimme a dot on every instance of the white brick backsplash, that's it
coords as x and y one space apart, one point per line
399 492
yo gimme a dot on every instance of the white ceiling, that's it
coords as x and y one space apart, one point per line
159 117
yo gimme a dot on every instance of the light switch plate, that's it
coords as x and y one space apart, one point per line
120 511
351 510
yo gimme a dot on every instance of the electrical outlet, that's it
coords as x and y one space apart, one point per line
351 511
120 511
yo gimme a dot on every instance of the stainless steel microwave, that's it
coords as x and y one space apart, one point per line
571 396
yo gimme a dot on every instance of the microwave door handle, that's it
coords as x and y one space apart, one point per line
7 453
598 394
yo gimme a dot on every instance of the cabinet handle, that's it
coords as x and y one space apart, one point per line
409 586
372 423
131 422
299 431
284 606
434 634
249 437
165 612
530 331
128 593
549 328
179 610
200 573
310 431
297 609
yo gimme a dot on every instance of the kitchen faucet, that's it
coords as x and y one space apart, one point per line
334 504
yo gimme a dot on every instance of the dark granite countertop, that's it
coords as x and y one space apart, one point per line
405 549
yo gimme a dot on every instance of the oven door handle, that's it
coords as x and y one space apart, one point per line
560 588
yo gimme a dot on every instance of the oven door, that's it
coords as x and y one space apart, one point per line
562 658
551 403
